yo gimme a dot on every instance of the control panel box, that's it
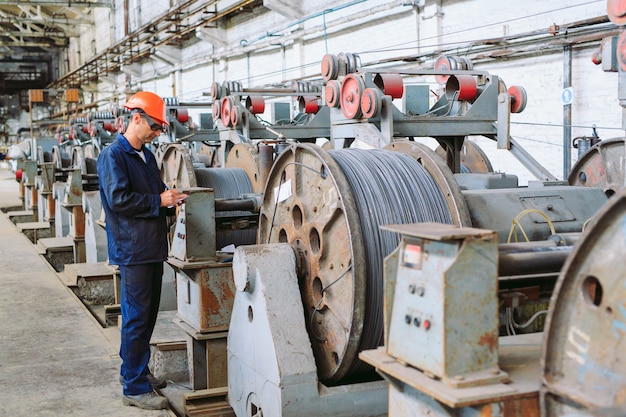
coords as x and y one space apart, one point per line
444 307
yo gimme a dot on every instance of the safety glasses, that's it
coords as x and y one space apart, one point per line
154 126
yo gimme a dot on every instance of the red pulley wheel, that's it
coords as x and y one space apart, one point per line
255 104
235 115
616 9
518 98
108 126
18 174
390 84
330 67
217 109
227 105
443 64
215 91
332 93
351 90
371 102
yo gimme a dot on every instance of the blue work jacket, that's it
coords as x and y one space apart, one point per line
130 190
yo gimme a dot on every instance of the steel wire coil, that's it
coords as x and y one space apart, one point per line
228 183
389 188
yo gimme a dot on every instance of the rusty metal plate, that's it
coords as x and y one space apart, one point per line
602 166
584 372
309 203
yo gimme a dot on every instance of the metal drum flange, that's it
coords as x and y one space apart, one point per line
176 167
584 371
442 175
601 166
309 204
246 156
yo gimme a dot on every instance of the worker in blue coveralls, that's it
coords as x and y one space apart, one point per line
136 205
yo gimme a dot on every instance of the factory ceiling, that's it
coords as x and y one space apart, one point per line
33 35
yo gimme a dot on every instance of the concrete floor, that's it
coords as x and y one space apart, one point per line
55 359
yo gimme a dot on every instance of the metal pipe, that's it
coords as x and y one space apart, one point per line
531 258
567 111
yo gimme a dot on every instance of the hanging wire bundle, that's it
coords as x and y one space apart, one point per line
389 188
228 183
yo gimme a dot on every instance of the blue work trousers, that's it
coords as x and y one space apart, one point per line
140 296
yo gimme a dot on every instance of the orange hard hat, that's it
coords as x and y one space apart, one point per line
151 104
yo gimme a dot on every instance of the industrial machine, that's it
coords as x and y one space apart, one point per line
221 212
323 239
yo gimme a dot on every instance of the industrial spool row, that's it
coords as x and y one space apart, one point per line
229 109
350 90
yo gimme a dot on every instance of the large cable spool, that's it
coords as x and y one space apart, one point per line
177 168
329 205
256 161
584 372
60 158
601 167
228 183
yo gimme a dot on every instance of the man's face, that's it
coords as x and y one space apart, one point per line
148 128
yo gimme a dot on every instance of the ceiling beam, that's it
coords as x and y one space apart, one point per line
59 3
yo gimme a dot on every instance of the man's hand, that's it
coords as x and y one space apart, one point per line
171 198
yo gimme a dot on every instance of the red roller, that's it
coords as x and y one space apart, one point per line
18 175
332 93
390 84
351 90
109 127
518 98
182 115
255 104
308 104
227 106
461 87
371 102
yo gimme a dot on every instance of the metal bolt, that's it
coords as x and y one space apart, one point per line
412 288
407 319
420 291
